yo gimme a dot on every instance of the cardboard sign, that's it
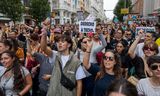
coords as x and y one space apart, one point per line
124 11
87 26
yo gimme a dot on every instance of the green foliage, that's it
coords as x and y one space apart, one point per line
13 9
122 4
39 9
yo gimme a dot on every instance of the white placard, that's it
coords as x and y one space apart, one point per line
146 29
87 26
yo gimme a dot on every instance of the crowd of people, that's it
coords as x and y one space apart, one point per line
58 60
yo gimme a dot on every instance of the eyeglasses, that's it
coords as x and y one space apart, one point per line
155 66
108 58
148 48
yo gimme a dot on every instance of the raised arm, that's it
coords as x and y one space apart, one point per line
43 44
131 51
104 44
86 57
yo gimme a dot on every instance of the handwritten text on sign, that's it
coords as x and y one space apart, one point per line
87 26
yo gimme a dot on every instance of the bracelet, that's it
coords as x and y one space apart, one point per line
88 52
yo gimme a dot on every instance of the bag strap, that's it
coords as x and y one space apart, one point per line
6 72
60 65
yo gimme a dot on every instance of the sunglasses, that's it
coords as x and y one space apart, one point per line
108 58
128 34
85 42
151 49
155 66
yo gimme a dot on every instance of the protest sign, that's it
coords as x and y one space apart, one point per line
87 26
145 29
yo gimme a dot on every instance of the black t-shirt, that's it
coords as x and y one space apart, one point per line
138 64
100 85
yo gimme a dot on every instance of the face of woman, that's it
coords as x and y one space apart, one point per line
109 60
6 60
119 47
116 94
155 68
36 29
148 37
149 51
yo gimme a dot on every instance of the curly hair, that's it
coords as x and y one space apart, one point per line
117 70
18 78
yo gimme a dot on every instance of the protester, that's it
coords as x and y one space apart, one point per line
66 64
151 86
15 79
104 74
149 49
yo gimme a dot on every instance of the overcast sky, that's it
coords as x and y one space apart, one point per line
109 5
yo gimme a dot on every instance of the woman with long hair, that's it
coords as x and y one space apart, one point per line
104 74
14 78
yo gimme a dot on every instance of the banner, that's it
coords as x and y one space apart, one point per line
87 26
145 29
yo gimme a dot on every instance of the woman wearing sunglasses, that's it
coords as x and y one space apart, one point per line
139 63
151 86
104 74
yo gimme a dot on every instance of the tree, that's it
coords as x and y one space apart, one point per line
12 9
122 4
39 9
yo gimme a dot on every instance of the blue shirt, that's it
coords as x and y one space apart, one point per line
46 67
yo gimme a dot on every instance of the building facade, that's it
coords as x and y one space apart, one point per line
72 11
69 11
137 7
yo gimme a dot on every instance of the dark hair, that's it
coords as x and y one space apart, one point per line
151 45
34 36
153 59
14 44
122 86
152 33
67 38
18 78
120 30
39 29
7 43
117 69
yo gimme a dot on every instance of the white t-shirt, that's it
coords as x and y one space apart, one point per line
145 88
79 73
